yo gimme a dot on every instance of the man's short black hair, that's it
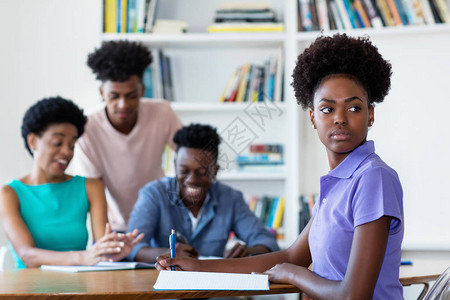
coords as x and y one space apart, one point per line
198 136
119 60
48 111
357 58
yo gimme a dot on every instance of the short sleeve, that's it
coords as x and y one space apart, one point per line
378 193
84 163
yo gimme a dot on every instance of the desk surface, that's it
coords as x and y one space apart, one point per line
138 284
126 284
423 270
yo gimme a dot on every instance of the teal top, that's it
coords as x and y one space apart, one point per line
55 214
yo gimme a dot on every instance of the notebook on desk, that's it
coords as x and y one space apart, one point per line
101 266
184 280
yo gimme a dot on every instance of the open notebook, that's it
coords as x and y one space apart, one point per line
101 266
184 280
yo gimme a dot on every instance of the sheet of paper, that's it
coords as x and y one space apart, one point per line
183 280
101 266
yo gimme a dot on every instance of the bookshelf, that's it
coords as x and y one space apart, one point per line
203 62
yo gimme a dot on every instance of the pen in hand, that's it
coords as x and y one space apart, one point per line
172 238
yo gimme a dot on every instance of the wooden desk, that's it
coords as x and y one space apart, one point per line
37 284
138 284
422 271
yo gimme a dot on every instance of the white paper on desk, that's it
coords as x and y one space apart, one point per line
101 266
183 280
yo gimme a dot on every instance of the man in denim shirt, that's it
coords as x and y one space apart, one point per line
201 209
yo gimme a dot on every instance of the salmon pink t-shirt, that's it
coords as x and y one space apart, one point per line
126 162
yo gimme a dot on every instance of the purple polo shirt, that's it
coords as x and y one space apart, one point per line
361 189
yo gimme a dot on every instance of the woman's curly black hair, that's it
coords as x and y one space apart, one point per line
341 54
198 136
54 110
119 60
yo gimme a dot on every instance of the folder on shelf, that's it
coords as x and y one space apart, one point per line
183 280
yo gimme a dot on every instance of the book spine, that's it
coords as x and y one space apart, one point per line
149 20
337 16
279 214
305 15
386 14
428 14
322 14
351 14
401 11
394 12
242 83
110 16
443 10
123 16
131 15
362 13
373 14
344 14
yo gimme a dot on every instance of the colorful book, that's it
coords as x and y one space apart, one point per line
385 12
279 214
110 16
242 83
122 16
150 16
358 6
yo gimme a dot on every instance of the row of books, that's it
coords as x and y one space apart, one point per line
350 14
306 206
262 154
262 158
241 16
158 78
256 83
269 210
128 16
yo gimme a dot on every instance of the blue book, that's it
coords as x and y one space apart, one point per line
273 211
147 79
401 12
351 13
118 15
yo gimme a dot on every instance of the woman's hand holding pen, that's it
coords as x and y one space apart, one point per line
164 262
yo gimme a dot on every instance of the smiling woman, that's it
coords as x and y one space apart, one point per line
44 213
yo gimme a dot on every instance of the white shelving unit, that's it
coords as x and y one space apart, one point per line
203 63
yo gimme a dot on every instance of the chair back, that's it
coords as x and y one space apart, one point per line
441 289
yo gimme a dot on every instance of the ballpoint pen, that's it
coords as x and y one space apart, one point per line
172 241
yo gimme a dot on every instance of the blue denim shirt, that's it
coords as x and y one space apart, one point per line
159 209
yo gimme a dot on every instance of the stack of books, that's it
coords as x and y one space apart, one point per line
351 14
158 78
129 16
256 83
235 17
262 157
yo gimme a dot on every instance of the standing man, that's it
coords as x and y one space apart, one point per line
124 141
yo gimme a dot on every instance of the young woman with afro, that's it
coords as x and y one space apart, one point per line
353 239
